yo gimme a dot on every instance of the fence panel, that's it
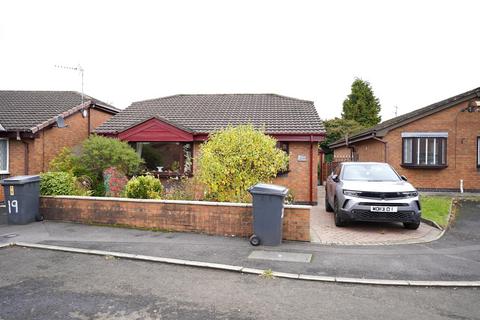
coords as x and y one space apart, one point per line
329 167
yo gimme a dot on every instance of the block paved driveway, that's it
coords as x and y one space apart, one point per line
323 230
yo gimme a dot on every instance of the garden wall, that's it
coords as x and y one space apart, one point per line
215 218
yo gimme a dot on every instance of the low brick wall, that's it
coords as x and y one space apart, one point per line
215 218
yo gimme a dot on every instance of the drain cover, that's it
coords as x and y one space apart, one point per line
281 256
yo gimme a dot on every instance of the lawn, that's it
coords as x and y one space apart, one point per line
436 208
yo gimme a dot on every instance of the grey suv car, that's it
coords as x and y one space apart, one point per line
371 191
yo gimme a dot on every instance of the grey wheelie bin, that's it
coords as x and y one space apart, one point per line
268 202
22 199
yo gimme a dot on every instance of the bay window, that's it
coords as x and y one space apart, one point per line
166 158
424 149
3 156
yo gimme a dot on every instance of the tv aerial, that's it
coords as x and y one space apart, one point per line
77 68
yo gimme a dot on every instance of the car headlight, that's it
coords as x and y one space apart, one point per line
410 194
351 193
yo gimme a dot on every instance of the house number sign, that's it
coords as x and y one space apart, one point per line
302 158
12 206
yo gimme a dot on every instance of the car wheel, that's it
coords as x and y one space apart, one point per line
328 207
411 225
339 222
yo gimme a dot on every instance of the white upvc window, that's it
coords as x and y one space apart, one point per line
3 156
424 149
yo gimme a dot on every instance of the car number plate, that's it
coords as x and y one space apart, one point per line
383 209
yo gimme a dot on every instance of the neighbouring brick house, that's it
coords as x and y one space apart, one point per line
435 146
36 125
168 131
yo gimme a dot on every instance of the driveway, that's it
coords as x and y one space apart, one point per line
324 231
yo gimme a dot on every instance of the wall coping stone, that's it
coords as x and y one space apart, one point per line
201 203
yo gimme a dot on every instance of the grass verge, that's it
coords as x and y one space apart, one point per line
436 208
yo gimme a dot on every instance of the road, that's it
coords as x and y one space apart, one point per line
39 284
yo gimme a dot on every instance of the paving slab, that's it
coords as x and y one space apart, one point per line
281 256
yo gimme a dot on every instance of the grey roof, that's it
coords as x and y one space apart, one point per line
205 113
24 110
382 128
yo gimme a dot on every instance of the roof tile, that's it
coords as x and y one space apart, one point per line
205 113
23 110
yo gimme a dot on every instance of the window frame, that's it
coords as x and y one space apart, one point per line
416 141
6 171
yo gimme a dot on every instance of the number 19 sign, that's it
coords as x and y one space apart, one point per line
12 206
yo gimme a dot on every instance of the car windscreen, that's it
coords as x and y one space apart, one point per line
369 172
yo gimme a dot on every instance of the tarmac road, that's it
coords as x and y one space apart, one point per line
41 284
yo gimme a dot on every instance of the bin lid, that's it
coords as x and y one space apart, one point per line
20 180
268 189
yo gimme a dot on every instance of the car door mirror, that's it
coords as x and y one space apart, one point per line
335 178
404 178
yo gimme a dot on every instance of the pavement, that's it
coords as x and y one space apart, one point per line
50 285
454 257
324 231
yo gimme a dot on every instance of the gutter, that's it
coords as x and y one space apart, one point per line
97 105
356 139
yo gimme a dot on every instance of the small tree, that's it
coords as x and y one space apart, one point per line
100 153
361 104
234 159
338 128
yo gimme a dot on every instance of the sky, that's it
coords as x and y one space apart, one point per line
413 53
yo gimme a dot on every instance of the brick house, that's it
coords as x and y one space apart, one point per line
436 147
36 125
168 131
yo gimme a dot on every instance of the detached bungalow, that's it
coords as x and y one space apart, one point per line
36 125
168 131
437 147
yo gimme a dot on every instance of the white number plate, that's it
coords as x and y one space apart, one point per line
383 209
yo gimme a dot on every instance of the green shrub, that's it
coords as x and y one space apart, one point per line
234 159
63 162
144 187
97 154
100 153
61 183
